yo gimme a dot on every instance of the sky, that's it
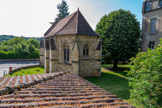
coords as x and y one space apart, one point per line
31 18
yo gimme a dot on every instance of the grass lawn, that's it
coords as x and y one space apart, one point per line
114 81
36 70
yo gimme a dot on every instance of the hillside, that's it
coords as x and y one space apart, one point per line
8 37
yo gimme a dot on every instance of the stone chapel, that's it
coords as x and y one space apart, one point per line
70 44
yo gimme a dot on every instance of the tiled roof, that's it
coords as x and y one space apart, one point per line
64 91
70 25
10 84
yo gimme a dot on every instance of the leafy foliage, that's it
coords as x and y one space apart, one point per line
145 78
63 11
120 32
18 48
8 37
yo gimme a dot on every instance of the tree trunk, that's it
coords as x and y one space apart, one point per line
115 66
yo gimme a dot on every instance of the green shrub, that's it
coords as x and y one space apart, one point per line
145 78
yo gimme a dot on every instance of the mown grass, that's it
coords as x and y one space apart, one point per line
114 81
36 70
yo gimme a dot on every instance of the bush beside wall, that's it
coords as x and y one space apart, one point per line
145 78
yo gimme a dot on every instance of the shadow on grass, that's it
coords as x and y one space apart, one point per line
112 83
122 69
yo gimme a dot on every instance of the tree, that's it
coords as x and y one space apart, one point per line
19 48
145 78
63 11
33 42
120 32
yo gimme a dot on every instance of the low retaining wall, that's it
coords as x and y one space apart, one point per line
25 67
10 60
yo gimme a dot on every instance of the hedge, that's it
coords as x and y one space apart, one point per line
145 78
16 55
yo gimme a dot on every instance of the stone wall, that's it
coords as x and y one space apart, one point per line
42 53
83 65
87 64
47 56
25 67
147 37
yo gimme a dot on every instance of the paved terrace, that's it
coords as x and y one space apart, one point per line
63 90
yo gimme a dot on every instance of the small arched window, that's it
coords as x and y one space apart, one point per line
66 53
85 50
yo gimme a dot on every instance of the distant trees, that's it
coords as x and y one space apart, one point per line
145 78
8 37
120 33
19 48
63 11
5 38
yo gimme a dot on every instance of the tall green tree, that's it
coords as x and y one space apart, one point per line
120 32
63 11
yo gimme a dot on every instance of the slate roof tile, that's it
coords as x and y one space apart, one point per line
74 24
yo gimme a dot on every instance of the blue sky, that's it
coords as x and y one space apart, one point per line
32 17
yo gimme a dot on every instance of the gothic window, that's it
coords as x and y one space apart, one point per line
160 3
151 45
147 6
66 53
153 25
155 4
85 50
47 44
52 43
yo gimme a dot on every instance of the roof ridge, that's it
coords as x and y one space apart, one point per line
87 23
66 23
53 25
77 22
